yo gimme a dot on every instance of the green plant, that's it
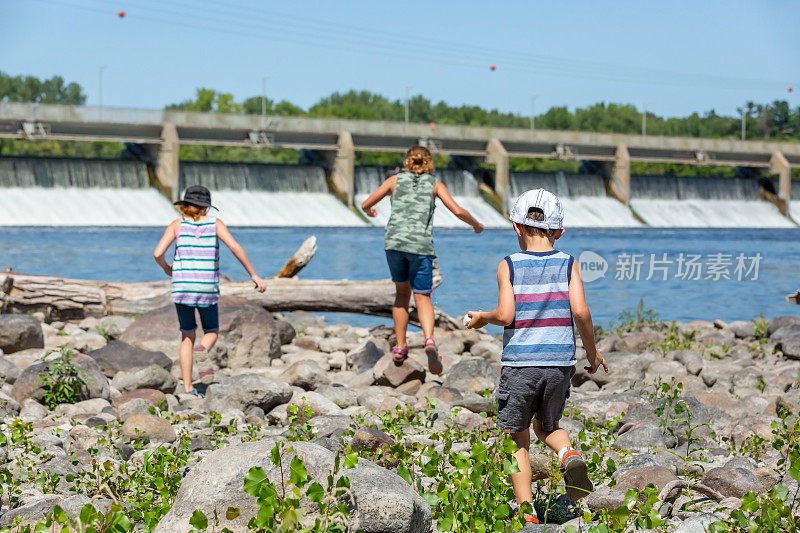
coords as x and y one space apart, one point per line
640 511
299 426
64 382
641 317
769 513
675 340
103 332
279 507
761 330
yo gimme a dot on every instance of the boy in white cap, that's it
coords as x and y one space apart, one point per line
540 298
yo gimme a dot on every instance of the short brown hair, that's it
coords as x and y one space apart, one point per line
418 160
536 214
192 211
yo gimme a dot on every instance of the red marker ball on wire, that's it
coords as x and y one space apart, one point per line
121 14
493 67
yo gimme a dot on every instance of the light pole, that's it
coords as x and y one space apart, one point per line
533 111
744 123
644 119
264 99
100 89
408 88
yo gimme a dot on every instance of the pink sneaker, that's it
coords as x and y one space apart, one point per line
434 361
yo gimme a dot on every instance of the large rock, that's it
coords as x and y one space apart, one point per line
365 355
305 374
622 365
787 340
462 373
639 478
249 332
245 391
390 375
118 356
151 377
642 437
20 332
730 481
29 384
304 319
780 321
381 501
9 372
146 426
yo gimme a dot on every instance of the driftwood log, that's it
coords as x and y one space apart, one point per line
794 298
64 299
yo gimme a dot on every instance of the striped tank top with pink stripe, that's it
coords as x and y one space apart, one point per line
195 269
542 333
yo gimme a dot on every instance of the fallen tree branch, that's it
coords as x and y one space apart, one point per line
672 490
299 260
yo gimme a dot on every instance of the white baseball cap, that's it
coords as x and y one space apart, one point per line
544 200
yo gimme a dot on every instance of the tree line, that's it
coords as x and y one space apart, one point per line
774 121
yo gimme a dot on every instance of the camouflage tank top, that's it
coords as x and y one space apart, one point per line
410 227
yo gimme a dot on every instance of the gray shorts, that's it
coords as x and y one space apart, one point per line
528 391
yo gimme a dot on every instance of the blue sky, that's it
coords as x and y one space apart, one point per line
677 57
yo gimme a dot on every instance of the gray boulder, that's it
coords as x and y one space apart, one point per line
118 356
20 332
390 375
380 501
150 377
245 391
365 355
249 332
305 374
95 384
147 426
779 321
642 437
464 371
734 482
304 319
9 372
787 340
486 350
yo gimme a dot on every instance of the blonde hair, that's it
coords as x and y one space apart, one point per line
418 160
192 211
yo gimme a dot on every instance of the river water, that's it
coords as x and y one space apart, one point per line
731 274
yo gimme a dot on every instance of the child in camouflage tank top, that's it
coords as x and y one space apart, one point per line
409 245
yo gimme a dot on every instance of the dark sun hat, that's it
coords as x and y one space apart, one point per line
196 195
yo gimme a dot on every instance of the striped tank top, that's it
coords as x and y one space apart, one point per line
195 269
541 334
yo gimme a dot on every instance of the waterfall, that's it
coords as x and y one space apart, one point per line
582 195
79 192
461 184
703 201
268 194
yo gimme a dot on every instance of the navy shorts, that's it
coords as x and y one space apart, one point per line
209 318
411 268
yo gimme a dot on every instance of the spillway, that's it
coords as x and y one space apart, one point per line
79 192
582 195
266 194
461 184
703 202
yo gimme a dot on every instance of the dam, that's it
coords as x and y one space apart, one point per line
52 191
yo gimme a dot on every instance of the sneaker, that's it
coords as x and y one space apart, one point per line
199 348
529 518
434 361
399 355
194 392
576 476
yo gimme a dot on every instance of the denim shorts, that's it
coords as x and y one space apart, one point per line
411 268
209 318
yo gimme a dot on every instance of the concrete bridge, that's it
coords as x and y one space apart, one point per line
161 132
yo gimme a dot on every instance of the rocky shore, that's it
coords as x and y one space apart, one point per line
702 411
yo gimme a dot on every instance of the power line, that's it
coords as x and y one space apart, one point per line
307 33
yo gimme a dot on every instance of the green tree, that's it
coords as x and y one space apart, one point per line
32 89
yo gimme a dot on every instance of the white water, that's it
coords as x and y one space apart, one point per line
442 217
794 210
263 208
689 213
594 212
72 206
